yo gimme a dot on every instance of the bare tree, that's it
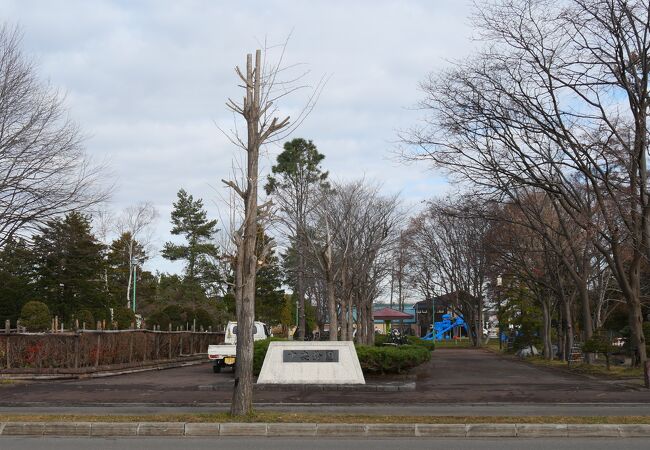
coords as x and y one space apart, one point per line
541 106
352 231
135 222
43 169
263 91
452 236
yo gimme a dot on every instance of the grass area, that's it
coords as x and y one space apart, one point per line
596 369
454 343
6 381
617 372
269 417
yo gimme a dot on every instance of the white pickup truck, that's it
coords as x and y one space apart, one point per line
224 355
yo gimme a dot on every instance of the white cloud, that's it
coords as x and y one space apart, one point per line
147 82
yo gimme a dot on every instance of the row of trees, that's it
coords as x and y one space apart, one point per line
547 124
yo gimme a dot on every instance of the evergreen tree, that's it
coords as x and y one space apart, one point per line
189 220
296 178
16 279
269 295
69 264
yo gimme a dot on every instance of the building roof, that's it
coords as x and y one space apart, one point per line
390 314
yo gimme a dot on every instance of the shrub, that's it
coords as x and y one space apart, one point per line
35 316
380 339
259 352
391 359
123 317
429 345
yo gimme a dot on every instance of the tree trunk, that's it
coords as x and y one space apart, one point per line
300 285
242 401
344 320
329 282
587 323
569 330
546 330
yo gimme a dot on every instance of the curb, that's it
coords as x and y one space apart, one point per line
178 429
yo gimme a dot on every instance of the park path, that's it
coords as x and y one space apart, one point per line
452 376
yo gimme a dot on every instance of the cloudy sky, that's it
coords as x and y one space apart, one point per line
147 82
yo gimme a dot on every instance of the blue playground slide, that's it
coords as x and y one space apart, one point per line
442 330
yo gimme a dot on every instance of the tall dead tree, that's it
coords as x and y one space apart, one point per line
258 109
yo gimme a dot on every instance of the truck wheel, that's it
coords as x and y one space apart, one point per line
216 368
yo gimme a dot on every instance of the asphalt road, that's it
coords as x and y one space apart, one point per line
318 444
453 376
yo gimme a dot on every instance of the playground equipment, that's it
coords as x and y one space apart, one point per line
443 330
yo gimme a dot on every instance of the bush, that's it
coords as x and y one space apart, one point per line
259 352
123 317
429 345
35 316
391 359
380 339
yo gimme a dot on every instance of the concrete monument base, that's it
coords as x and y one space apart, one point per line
311 363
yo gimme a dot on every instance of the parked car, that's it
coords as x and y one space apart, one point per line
224 355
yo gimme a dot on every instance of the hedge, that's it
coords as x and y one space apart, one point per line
259 352
391 359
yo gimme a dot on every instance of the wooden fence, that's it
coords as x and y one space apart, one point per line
88 351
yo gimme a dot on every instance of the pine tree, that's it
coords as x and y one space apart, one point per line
296 177
69 264
16 279
189 220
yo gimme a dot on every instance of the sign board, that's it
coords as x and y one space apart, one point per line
326 362
310 356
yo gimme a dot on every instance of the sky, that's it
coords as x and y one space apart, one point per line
147 82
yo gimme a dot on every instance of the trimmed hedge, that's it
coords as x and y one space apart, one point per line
391 359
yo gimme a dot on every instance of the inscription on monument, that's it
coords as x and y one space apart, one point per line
310 356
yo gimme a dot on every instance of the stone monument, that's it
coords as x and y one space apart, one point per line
326 362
